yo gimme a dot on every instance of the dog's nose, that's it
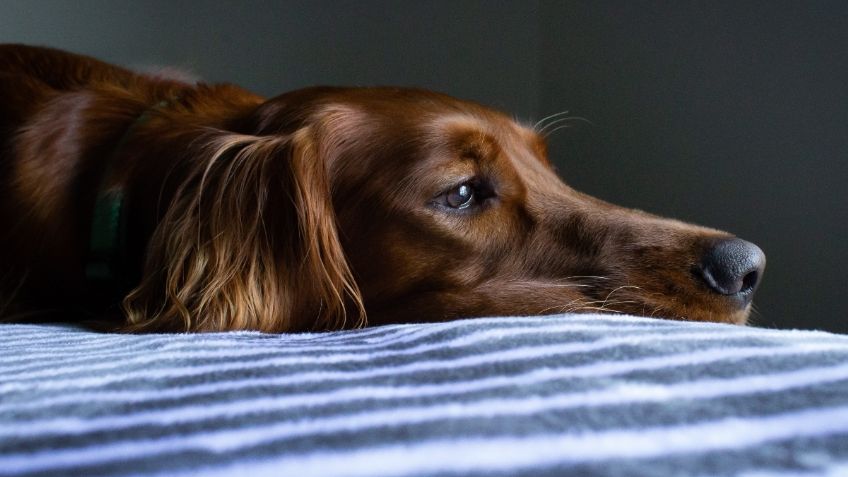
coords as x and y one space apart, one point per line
733 267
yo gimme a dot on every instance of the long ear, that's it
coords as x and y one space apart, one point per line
249 241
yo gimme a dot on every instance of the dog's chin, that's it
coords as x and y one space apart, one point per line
740 317
732 317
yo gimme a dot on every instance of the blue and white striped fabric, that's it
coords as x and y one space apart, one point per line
541 396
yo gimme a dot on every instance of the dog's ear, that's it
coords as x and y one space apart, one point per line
249 241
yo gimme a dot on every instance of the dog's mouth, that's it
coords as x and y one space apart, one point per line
723 296
648 305
680 310
719 287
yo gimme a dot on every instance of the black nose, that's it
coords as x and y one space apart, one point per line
733 267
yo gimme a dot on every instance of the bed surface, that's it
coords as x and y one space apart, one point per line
561 395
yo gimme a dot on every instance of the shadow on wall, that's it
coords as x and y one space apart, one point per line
732 116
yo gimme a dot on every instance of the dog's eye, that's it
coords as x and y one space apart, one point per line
467 196
461 197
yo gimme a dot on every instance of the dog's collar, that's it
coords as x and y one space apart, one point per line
108 239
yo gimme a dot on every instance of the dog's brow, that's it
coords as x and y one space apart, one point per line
457 120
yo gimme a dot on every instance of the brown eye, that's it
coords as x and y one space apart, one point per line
461 197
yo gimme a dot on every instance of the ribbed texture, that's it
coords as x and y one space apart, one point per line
541 396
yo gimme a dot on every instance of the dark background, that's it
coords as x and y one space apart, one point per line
727 114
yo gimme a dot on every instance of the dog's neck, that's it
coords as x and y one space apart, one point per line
106 262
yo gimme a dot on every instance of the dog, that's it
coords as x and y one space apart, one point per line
160 205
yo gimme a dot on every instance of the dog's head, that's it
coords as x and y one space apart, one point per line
408 205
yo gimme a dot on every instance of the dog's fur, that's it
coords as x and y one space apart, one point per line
318 209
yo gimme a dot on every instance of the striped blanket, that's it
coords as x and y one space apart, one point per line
540 396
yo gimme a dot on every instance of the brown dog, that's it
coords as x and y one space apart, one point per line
205 207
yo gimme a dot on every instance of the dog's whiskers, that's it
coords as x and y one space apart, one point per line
755 317
559 285
583 304
587 277
560 123
547 118
621 288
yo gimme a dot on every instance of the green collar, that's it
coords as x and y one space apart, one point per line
107 243
108 236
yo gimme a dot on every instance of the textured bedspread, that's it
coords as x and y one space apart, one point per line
565 395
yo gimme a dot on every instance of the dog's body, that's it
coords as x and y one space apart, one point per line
315 210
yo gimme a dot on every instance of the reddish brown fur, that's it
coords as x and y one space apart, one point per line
311 210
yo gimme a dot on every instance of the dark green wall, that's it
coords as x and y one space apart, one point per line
729 114
478 50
